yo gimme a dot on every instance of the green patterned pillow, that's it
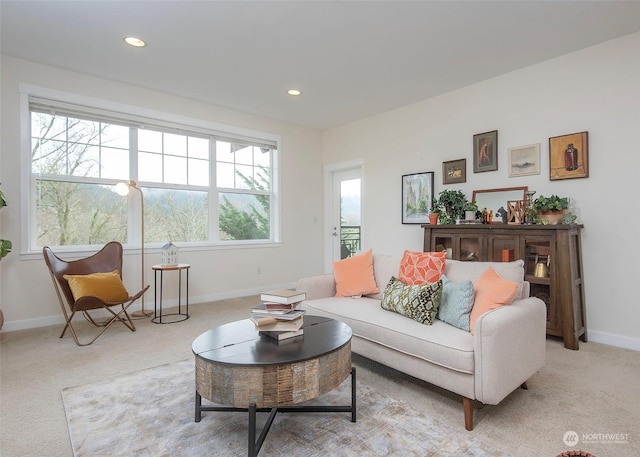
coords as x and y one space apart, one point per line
420 303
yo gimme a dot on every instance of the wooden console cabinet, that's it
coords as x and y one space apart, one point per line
553 264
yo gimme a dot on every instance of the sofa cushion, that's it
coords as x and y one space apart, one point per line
491 292
440 343
457 270
354 276
384 267
419 302
456 303
417 267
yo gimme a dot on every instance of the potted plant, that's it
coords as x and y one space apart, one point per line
452 204
550 209
471 211
436 209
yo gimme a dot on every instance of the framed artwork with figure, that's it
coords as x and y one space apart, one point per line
569 156
417 195
485 151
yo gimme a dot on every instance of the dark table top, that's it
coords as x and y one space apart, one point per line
239 343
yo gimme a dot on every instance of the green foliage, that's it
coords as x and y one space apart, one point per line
553 203
251 224
471 206
5 245
436 207
5 248
452 204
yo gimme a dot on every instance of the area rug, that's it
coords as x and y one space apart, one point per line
151 413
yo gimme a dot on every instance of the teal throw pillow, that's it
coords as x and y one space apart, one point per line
419 302
457 303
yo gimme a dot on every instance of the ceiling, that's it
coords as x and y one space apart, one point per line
350 59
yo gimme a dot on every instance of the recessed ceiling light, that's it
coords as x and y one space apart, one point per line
134 41
294 92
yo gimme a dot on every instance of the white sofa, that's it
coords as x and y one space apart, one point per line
506 349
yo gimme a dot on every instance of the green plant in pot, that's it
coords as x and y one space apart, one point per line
452 204
434 214
472 212
550 209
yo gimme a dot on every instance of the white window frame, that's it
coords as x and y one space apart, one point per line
123 112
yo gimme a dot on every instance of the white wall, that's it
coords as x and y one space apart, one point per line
595 90
26 293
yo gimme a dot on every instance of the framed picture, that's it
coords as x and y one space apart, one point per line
454 171
417 195
485 151
524 160
569 156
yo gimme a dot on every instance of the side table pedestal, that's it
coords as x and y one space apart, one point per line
170 318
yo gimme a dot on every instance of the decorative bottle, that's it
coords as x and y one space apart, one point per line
570 158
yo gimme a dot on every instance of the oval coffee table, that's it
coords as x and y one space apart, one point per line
245 371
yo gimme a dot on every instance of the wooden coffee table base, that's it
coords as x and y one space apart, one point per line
241 370
254 445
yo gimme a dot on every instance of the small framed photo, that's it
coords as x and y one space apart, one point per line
524 160
454 171
485 151
569 156
417 195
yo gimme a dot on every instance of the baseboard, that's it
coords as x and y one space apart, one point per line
624 342
12 326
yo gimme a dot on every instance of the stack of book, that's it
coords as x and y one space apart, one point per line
278 316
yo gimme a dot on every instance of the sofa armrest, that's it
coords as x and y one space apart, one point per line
321 286
509 347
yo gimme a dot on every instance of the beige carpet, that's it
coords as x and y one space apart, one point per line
151 413
591 391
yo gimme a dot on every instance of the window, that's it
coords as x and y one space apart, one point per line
199 185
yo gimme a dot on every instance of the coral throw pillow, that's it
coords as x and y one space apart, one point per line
106 286
354 276
491 292
418 268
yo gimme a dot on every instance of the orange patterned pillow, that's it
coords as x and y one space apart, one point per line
418 268
491 292
354 276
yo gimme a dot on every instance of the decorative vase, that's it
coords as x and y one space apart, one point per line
470 215
433 218
529 212
551 217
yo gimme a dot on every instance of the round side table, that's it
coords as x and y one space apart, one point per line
170 318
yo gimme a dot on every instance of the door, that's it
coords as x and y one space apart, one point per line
346 213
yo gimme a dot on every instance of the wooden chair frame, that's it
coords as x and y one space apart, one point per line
108 259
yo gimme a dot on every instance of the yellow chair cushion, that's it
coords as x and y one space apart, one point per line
106 286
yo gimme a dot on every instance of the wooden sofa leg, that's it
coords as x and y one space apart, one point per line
467 404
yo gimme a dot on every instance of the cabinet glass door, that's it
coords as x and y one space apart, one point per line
503 248
470 248
444 243
539 267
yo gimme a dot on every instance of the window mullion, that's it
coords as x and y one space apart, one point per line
214 196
